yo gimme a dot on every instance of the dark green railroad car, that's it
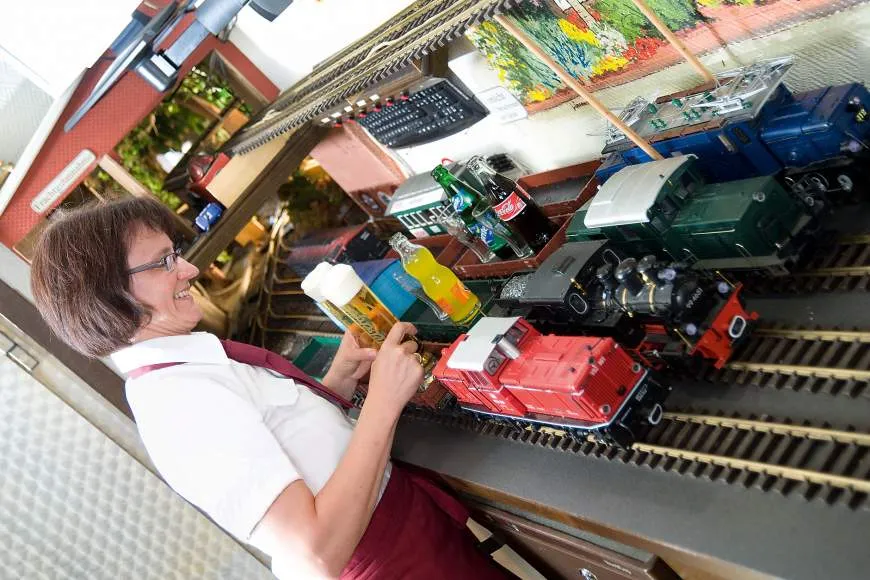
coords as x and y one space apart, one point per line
665 208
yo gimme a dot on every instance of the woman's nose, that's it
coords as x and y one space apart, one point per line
186 270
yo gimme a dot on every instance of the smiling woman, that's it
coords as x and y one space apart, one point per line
85 255
260 446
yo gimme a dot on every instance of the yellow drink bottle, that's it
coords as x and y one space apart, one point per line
438 282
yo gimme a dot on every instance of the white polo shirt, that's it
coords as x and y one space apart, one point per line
227 436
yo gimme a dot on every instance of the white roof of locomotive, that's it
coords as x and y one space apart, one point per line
632 190
472 352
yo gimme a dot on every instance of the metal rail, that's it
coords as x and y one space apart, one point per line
818 335
823 460
841 266
815 360
801 371
290 292
847 271
801 453
793 473
854 239
818 433
310 317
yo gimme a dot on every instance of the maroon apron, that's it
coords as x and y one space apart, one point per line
417 530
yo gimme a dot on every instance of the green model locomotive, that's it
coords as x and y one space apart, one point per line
665 208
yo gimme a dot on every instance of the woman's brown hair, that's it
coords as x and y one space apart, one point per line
79 273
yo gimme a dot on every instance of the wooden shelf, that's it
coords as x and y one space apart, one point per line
132 185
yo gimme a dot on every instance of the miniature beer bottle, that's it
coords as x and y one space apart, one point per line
344 288
438 282
311 288
512 204
464 199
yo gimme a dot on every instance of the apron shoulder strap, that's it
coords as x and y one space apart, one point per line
136 373
261 357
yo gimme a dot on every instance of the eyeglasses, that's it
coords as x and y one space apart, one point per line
167 262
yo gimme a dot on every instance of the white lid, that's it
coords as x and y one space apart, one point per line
626 197
311 283
340 284
471 354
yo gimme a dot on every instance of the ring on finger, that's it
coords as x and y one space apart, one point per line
419 358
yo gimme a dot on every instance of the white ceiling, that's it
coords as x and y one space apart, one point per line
55 40
308 32
22 107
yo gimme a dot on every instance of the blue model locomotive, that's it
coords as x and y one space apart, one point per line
756 126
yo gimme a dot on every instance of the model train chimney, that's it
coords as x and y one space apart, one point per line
507 348
628 275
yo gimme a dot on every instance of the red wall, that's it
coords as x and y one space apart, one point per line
127 103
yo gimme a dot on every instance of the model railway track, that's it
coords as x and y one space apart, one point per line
835 362
418 30
301 327
843 266
289 311
838 460
809 462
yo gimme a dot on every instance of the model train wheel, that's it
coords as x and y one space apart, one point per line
620 436
846 183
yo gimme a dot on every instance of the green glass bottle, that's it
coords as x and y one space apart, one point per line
465 199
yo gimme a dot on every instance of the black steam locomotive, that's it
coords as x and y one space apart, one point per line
660 311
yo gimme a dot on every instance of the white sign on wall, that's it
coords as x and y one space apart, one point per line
502 104
63 181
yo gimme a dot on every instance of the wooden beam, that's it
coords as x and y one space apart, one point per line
673 40
575 85
276 172
685 562
120 174
242 86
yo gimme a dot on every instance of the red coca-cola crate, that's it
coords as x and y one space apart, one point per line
468 266
564 190
559 192
436 244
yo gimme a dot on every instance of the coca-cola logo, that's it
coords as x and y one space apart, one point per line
510 207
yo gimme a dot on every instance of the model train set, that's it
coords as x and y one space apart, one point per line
750 124
505 368
437 288
643 279
665 208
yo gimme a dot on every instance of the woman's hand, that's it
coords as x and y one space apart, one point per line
396 373
351 363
